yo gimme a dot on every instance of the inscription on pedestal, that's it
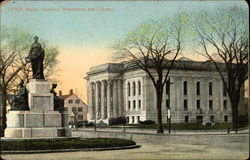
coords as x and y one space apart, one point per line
41 101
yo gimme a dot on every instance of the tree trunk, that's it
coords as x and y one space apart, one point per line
3 115
159 89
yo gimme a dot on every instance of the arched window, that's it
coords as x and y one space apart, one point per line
167 87
139 87
210 88
197 88
128 89
134 88
185 87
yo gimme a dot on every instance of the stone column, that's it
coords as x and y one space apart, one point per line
118 111
90 101
102 99
108 99
96 100
121 103
115 98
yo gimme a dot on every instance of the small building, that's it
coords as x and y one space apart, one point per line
74 105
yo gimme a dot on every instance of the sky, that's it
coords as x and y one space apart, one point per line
84 31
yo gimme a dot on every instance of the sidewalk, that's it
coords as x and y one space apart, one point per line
153 131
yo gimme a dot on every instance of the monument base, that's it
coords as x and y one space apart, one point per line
29 124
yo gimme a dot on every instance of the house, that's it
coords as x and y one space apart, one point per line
74 106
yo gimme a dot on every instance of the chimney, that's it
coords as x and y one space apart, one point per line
60 93
71 91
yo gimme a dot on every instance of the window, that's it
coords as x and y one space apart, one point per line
185 88
133 103
210 105
70 101
127 119
199 119
167 87
186 119
210 88
77 101
211 118
225 118
139 87
73 109
134 89
197 88
128 89
133 119
129 104
139 103
198 104
80 117
80 109
224 90
167 104
225 105
66 109
185 105
138 119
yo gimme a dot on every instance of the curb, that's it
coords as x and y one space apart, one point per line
69 150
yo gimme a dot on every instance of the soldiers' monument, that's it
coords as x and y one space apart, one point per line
36 110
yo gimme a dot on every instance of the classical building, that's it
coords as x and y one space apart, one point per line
195 93
74 105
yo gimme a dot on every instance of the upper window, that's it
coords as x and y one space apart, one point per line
80 109
185 105
128 89
225 105
185 88
128 104
198 104
70 101
139 87
198 88
134 89
77 101
210 105
210 88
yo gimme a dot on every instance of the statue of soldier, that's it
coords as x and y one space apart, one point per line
36 57
20 100
58 102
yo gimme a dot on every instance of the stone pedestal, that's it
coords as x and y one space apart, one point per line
41 120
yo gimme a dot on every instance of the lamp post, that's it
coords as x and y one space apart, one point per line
168 108
72 115
169 121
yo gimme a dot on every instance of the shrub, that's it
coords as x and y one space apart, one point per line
147 122
90 124
117 121
55 144
243 120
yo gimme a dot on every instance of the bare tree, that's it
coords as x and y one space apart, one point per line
153 47
15 45
226 33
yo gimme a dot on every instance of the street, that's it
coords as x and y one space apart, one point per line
196 146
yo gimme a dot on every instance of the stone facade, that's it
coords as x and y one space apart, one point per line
41 120
195 94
